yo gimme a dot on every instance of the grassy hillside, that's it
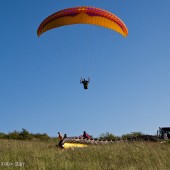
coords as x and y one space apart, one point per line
36 155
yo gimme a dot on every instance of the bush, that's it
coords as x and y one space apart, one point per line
13 135
24 135
107 136
132 134
2 135
39 136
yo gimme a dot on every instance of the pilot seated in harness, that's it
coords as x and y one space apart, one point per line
85 83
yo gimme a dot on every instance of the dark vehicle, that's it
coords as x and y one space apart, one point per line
164 132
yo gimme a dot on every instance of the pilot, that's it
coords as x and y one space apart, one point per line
85 83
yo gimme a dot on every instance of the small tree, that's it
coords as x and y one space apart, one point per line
24 134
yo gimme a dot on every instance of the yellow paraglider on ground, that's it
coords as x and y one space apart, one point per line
74 145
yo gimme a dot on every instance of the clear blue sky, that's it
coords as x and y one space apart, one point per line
130 77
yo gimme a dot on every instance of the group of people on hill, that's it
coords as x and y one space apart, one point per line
84 136
61 137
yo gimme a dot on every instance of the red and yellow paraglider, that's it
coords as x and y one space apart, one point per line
83 15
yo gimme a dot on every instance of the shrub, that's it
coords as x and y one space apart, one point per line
107 136
13 135
132 134
39 136
2 135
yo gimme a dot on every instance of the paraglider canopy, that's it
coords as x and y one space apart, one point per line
83 15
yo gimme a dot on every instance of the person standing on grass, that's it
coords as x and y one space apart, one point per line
60 136
60 139
86 135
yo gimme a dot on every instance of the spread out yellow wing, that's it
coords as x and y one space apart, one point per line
83 15
74 145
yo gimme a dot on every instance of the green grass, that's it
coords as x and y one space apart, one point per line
121 155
